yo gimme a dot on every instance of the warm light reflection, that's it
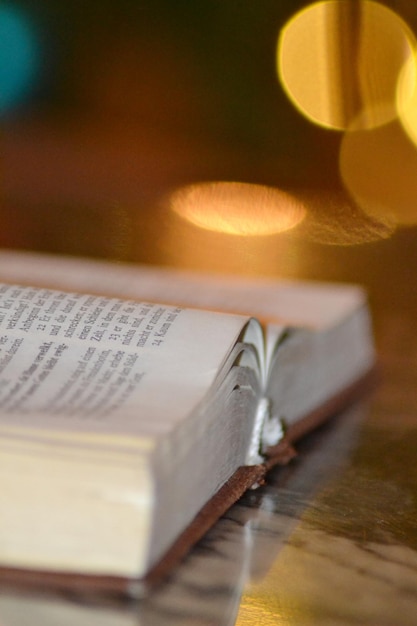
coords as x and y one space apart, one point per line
379 169
407 105
237 208
19 56
278 598
334 219
252 611
339 62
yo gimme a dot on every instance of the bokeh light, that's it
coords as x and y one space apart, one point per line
406 104
379 168
235 208
339 62
19 56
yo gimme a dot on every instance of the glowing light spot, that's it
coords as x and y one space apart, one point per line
379 168
407 105
339 62
19 56
237 208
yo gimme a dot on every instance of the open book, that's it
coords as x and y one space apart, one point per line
130 422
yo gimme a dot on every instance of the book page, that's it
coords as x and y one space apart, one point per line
71 362
283 302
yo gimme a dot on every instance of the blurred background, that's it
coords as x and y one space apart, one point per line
269 137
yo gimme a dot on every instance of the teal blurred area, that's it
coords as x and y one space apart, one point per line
19 57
